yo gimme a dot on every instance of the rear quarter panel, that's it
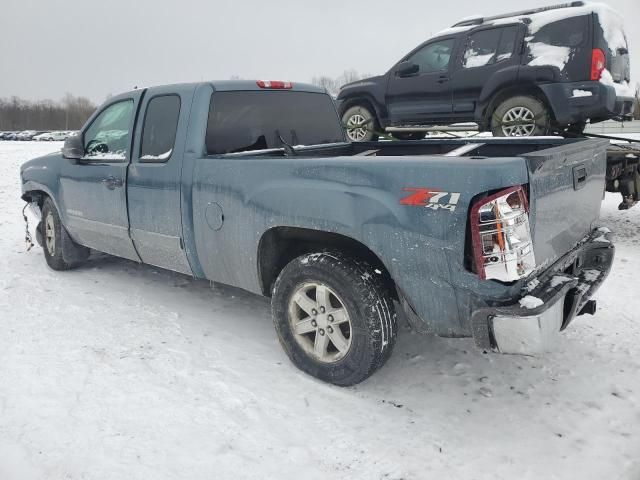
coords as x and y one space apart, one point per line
422 248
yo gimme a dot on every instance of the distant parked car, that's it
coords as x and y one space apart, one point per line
8 135
26 135
526 73
52 137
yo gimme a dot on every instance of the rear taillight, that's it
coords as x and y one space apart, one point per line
274 84
598 63
502 246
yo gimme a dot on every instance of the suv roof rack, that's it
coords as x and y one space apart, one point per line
481 20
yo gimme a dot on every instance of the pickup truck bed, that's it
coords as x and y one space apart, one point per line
495 239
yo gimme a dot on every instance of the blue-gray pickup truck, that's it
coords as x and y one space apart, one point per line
253 184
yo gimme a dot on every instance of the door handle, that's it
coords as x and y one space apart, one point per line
443 79
112 182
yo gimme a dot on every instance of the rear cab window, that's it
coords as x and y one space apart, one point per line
242 121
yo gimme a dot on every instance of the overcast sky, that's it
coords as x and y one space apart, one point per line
94 48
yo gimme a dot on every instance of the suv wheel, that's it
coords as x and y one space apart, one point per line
361 124
521 116
334 317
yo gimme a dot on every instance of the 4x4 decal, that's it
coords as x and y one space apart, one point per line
431 198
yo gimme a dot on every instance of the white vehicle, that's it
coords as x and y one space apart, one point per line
52 137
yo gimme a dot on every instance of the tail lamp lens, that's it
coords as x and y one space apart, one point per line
502 244
598 63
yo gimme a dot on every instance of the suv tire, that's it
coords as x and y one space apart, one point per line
361 124
348 326
521 116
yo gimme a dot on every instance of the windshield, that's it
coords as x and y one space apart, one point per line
242 121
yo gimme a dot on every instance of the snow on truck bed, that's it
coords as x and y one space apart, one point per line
122 371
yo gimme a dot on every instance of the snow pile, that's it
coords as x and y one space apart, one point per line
473 59
530 302
559 280
623 89
544 54
162 156
581 93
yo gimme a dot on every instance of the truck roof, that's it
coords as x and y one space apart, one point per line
243 85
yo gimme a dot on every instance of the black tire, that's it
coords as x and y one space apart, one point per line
408 135
539 124
360 115
55 255
373 322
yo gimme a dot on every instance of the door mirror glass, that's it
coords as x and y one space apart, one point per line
109 135
407 68
73 148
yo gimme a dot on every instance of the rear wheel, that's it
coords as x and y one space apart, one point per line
334 317
408 135
361 124
521 116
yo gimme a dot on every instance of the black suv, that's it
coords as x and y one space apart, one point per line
527 73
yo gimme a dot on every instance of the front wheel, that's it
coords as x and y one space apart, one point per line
334 317
361 124
521 116
55 239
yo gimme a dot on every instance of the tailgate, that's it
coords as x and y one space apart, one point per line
566 187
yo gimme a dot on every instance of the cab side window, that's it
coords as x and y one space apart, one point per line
109 135
434 57
160 127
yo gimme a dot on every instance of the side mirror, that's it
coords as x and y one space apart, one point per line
73 148
407 68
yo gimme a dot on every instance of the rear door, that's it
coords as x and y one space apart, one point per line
93 189
154 182
425 95
490 56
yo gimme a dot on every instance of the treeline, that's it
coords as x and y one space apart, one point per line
70 113
333 84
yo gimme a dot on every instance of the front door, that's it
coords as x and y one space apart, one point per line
154 184
93 189
423 95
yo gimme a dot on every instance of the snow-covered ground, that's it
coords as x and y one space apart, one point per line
122 371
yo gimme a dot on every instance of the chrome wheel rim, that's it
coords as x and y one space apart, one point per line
357 127
320 322
49 234
518 122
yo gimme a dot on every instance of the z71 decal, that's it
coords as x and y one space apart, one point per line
431 198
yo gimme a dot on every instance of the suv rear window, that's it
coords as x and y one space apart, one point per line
568 32
242 121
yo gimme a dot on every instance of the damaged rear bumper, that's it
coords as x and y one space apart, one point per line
555 297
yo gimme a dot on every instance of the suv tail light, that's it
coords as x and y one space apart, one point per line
598 63
502 246
274 84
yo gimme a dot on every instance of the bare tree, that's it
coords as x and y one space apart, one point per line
68 114
333 85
